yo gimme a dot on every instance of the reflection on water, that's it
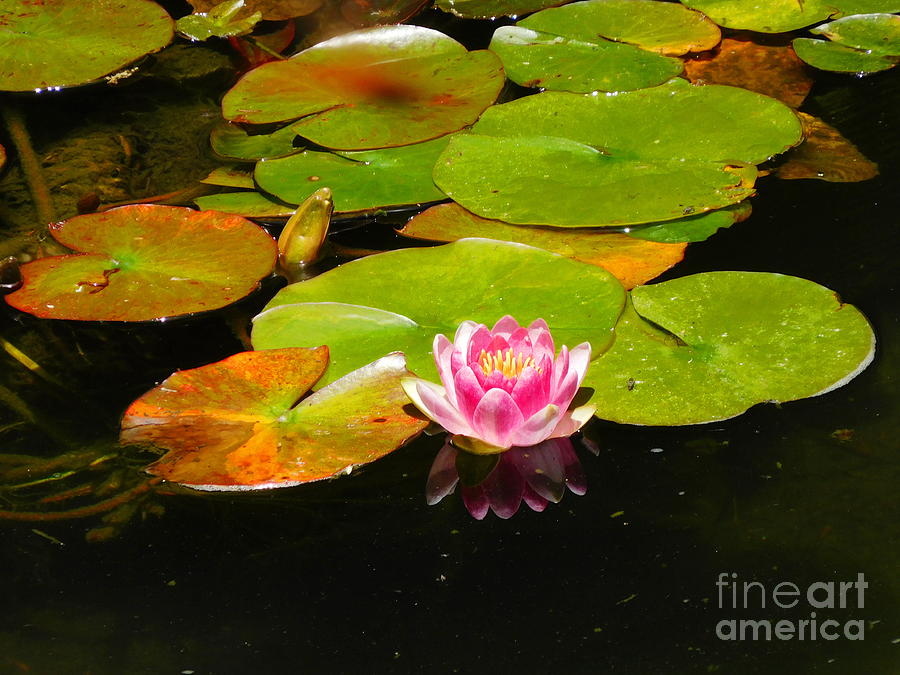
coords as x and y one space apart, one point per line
537 475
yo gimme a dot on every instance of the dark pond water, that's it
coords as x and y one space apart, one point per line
360 575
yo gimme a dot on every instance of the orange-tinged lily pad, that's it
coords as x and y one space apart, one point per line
826 155
770 69
234 425
632 261
145 262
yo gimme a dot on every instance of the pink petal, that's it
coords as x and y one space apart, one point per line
541 339
468 392
498 343
536 428
580 359
564 394
505 326
530 392
480 341
560 370
442 478
496 418
573 420
496 380
533 499
464 334
520 342
442 349
431 399
504 487
476 501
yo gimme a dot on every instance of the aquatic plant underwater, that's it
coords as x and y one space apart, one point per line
574 161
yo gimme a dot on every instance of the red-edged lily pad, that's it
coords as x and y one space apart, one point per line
234 425
144 262
372 88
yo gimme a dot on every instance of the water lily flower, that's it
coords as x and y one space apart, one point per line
537 475
503 387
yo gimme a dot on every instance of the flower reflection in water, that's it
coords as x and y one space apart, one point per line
538 474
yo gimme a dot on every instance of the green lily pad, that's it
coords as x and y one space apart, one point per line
877 33
235 175
145 262
661 27
372 88
726 341
360 180
246 203
220 21
631 261
650 155
233 142
838 58
489 9
693 228
864 43
779 16
535 58
234 425
401 299
67 42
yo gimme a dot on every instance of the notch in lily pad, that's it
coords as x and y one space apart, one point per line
237 425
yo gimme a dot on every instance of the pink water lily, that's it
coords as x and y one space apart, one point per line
503 387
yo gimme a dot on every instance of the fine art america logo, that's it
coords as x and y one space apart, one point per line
753 596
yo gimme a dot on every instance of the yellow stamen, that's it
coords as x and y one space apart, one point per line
508 364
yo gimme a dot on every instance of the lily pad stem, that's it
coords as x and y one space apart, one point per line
31 167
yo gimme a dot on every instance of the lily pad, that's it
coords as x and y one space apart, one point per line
535 58
708 346
693 228
359 180
401 299
271 10
860 43
779 16
234 425
235 175
875 33
838 58
233 142
650 155
631 261
773 70
220 21
145 262
490 9
248 203
662 27
62 43
371 88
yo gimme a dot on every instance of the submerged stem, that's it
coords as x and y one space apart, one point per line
31 167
